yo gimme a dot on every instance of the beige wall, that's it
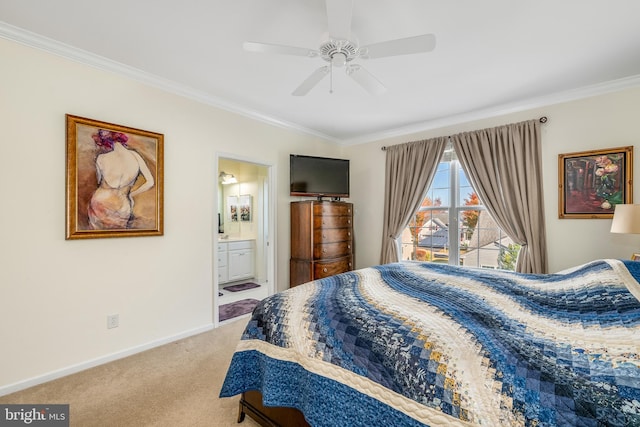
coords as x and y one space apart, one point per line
55 294
599 122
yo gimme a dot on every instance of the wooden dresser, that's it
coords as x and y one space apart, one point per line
321 240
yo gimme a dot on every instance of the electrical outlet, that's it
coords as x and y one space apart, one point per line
113 321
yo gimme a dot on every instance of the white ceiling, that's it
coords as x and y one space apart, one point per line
491 57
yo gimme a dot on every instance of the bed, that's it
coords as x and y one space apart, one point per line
413 344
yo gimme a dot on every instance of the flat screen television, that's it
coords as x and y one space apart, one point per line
318 176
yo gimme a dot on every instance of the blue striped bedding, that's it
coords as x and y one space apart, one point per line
412 344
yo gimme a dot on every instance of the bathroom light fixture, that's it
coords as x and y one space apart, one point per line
227 178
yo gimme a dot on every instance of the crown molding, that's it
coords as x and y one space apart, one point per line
37 41
500 110
66 51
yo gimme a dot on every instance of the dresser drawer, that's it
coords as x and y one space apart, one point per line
331 250
322 240
332 222
326 269
332 208
332 235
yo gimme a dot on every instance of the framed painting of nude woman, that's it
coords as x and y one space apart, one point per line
114 180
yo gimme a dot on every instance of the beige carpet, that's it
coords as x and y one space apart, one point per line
173 385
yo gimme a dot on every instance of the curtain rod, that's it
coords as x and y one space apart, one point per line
542 119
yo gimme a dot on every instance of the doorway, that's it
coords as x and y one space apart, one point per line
243 251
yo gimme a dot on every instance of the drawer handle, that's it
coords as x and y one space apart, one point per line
349 233
324 236
324 270
324 251
349 222
348 246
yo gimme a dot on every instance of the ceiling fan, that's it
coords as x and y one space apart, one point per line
340 50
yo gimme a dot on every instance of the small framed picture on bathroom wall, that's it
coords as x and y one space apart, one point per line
232 206
244 205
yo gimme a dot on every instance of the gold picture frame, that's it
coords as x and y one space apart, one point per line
591 183
635 257
114 180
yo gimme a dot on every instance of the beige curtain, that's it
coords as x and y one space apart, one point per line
504 166
410 167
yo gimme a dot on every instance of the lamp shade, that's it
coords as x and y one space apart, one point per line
626 219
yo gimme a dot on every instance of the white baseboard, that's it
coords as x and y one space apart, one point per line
21 385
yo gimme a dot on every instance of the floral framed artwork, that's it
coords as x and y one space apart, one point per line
591 183
114 180
244 204
635 257
232 206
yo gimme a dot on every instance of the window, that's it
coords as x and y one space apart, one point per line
452 226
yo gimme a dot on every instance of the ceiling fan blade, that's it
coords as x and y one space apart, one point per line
311 81
276 48
339 18
409 45
366 80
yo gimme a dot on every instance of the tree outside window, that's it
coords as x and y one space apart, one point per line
452 225
421 221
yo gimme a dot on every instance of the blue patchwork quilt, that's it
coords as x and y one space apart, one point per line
412 344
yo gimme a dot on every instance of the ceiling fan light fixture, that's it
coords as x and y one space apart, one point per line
329 49
338 59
